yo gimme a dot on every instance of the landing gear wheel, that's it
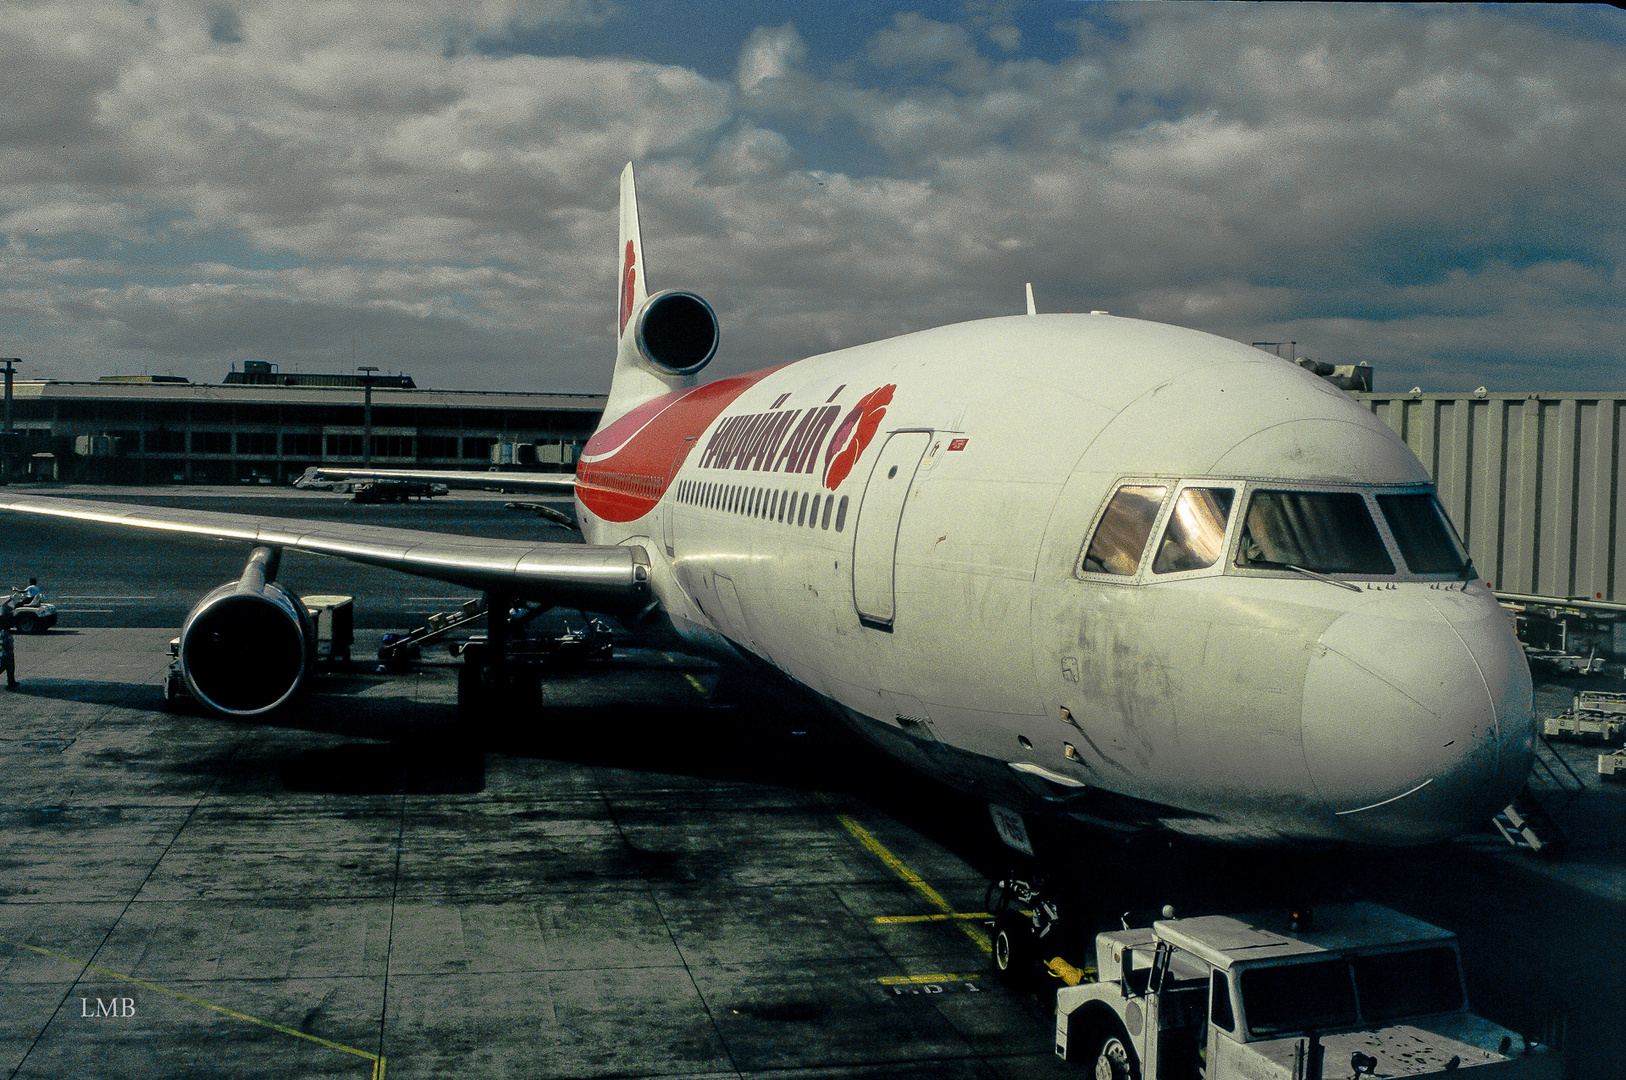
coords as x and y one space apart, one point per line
1014 954
1114 1060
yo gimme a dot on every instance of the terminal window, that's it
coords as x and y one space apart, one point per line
164 442
302 444
392 445
438 446
211 442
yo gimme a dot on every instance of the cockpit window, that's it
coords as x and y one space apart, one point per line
1195 534
1330 532
1423 533
1121 536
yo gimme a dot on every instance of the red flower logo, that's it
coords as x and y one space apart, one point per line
857 429
629 275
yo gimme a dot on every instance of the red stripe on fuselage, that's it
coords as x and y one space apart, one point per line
627 466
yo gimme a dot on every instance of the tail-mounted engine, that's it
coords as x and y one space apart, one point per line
676 332
246 646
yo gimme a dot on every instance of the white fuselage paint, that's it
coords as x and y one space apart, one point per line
1266 706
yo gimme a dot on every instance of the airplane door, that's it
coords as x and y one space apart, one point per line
728 598
670 501
875 535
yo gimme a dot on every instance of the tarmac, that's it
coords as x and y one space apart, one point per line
301 899
663 869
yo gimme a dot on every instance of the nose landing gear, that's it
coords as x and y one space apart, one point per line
1027 931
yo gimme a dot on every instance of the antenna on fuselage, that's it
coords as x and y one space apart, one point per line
1031 309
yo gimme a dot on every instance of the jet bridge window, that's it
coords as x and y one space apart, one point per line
1330 532
1125 526
1195 535
1423 533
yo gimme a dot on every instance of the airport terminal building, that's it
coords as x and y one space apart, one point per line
263 426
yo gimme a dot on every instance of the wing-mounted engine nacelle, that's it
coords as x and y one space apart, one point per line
676 332
245 647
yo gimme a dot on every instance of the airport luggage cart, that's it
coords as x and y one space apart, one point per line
1563 663
334 620
1594 716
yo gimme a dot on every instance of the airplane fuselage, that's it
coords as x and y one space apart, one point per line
930 533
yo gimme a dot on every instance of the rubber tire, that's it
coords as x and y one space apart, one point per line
1015 958
28 624
1112 1058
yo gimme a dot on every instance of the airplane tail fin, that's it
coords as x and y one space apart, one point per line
662 341
630 285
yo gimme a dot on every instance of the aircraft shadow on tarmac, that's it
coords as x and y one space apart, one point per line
130 695
410 767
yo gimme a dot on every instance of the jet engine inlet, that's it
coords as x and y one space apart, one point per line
677 332
245 648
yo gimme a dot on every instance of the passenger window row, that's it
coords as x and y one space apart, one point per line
810 509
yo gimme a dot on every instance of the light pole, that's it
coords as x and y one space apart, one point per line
7 450
367 415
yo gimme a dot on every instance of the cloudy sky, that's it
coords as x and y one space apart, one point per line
430 187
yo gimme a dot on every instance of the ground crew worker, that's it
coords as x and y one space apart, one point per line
8 648
32 593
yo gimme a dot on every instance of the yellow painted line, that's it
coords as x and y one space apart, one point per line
922 980
891 919
931 895
699 687
376 1059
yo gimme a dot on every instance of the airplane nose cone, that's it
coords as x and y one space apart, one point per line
1417 719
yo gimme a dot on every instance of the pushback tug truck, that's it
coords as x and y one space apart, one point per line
1348 989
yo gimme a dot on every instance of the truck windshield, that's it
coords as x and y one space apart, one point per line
1330 532
1424 534
1322 994
1412 983
1298 997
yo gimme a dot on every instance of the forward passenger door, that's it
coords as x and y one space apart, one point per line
875 534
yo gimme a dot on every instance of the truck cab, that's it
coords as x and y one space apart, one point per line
1348 988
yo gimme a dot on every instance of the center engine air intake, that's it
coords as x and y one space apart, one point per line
676 332
245 647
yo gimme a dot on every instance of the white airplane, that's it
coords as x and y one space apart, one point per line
1131 571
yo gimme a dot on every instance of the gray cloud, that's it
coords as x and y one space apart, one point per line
1432 190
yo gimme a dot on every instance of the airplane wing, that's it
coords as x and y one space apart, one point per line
597 577
538 483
